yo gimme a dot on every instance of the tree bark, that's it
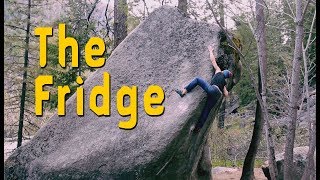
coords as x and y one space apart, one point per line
183 6
309 169
294 95
24 78
248 165
260 36
309 172
222 109
120 21
221 13
274 174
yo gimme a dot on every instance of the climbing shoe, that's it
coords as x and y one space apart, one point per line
179 92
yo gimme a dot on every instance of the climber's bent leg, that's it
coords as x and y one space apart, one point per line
213 97
204 114
198 81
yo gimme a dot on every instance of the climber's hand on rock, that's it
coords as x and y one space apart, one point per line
210 48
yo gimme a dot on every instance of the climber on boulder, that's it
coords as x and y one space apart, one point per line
213 90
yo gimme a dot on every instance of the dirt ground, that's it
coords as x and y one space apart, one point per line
219 173
235 173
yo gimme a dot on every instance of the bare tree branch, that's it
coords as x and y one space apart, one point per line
145 5
305 9
94 6
292 13
15 27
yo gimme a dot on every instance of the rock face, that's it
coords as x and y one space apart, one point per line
299 159
167 49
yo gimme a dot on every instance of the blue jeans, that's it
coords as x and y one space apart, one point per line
213 95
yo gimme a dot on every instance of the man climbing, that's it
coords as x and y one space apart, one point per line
213 90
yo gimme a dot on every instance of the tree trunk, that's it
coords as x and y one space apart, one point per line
120 21
294 94
248 165
24 79
261 98
260 36
222 109
182 5
221 13
309 169
271 152
309 172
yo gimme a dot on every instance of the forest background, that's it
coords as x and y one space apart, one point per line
113 20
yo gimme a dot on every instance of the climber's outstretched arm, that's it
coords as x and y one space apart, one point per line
213 60
225 91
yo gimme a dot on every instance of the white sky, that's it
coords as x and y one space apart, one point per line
235 7
56 11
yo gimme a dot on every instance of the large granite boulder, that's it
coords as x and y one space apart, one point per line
166 49
299 159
